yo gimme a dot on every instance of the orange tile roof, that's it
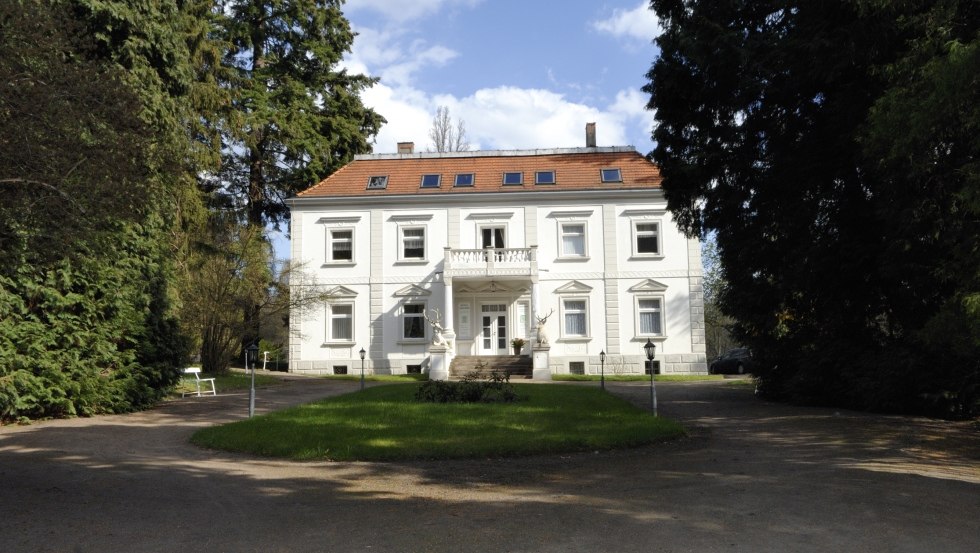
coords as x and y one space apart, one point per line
575 169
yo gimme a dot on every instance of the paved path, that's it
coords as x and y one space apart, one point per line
752 477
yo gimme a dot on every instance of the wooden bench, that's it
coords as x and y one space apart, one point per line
198 380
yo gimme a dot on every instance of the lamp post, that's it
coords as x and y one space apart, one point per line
254 350
651 350
363 353
602 363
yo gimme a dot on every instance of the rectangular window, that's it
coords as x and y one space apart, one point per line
340 322
492 237
430 181
650 315
377 182
576 367
413 323
544 177
340 369
341 247
646 366
611 175
647 238
413 369
413 242
464 179
575 318
572 239
514 178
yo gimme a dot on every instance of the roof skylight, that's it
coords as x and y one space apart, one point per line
513 178
464 179
430 181
611 175
377 182
544 177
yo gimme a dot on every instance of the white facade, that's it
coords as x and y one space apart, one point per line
608 268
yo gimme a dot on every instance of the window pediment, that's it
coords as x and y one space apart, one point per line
574 287
340 292
412 291
648 285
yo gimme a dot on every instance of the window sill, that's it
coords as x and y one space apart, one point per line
412 341
329 264
572 259
339 344
644 338
646 257
412 262
575 339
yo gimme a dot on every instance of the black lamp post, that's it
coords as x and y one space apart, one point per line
363 353
651 350
254 351
602 363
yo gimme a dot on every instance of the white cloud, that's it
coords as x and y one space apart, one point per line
640 23
407 10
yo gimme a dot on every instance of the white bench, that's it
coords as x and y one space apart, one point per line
198 380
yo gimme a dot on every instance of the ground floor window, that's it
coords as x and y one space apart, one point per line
340 322
646 366
413 369
340 369
575 317
649 313
576 367
413 322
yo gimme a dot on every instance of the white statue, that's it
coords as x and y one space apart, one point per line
541 333
438 331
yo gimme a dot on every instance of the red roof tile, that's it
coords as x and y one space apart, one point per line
575 169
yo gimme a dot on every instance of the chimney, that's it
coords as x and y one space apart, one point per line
406 147
590 135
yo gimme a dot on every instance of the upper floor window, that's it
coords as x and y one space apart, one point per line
412 243
513 178
646 238
544 177
572 239
430 181
464 179
379 181
340 245
611 175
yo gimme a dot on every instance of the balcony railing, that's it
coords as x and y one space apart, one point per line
492 262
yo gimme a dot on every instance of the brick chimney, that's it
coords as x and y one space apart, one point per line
590 135
406 147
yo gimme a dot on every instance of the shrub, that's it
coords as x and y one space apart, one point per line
496 389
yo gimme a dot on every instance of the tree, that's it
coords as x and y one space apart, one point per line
716 324
445 136
295 118
834 268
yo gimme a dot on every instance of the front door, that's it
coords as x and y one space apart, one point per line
493 331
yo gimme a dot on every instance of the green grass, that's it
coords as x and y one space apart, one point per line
636 377
226 382
386 423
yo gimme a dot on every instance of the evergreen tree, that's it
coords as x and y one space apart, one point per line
832 263
295 116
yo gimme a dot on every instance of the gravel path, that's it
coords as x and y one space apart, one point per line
753 476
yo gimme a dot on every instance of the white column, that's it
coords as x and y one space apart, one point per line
447 285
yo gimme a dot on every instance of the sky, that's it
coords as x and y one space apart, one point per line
520 74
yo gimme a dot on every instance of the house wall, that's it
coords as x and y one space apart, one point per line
610 278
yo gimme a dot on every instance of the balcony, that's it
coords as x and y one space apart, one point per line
491 262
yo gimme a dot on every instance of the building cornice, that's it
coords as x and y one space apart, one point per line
477 198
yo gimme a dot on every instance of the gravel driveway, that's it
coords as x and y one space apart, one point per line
752 476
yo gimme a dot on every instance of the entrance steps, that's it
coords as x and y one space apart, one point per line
517 366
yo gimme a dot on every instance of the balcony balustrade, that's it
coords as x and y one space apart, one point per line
491 262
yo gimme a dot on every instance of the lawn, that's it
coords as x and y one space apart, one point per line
226 382
386 423
636 377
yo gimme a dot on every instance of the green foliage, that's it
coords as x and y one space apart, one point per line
467 391
832 147
387 423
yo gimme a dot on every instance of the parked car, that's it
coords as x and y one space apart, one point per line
733 361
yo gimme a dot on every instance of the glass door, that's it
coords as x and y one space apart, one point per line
493 329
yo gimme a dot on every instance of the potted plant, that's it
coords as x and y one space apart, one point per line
517 344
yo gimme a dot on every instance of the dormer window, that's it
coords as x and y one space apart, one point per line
544 177
515 178
611 175
430 181
464 179
379 182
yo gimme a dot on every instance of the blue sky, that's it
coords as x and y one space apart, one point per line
521 74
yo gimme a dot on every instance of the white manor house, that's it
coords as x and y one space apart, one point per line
433 260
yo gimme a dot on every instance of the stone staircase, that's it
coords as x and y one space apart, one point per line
517 366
